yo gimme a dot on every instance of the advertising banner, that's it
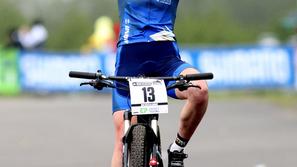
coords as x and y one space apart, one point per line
234 68
49 71
254 67
9 83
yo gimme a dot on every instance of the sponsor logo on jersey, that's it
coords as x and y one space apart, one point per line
127 31
165 35
168 2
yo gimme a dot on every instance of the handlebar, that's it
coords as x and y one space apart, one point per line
99 80
99 75
83 75
200 76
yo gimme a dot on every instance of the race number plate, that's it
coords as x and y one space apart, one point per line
148 96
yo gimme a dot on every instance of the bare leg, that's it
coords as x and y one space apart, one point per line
194 108
118 145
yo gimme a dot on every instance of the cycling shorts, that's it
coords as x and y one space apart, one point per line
145 59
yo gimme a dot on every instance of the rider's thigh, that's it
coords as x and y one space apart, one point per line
193 93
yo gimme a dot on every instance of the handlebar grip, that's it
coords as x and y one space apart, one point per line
200 76
84 75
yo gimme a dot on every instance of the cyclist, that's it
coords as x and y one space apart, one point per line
147 46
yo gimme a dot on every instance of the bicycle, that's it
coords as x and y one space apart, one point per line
142 141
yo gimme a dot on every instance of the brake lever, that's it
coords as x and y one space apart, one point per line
86 83
98 84
183 85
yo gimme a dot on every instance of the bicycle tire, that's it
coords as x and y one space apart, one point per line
138 152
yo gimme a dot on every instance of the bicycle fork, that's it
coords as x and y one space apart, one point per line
155 157
127 125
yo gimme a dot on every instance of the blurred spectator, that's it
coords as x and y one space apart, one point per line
103 37
116 29
34 37
13 39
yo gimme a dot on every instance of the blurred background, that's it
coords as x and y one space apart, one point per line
47 120
226 37
70 22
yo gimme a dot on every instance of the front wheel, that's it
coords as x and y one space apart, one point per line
139 152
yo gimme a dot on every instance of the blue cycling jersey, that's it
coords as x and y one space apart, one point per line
147 20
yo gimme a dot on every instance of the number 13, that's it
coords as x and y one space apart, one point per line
149 94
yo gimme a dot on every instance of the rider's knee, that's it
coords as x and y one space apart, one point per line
198 96
119 131
118 125
118 138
